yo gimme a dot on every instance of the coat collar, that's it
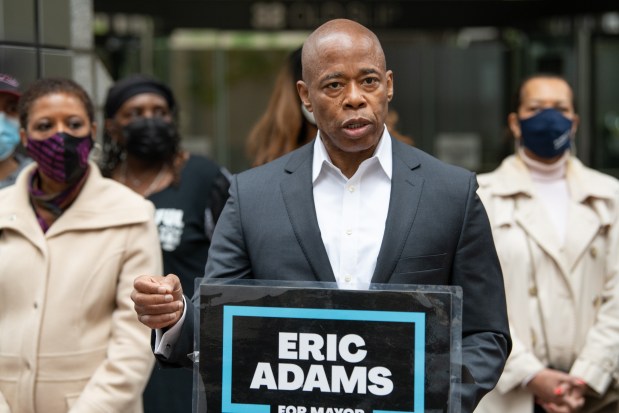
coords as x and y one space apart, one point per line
592 195
102 203
583 182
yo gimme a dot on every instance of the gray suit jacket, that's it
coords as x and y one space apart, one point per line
437 232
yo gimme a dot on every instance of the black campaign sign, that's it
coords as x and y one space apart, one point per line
266 349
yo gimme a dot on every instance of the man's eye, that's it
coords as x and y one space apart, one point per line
334 85
75 124
370 81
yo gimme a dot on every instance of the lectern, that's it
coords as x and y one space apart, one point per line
282 347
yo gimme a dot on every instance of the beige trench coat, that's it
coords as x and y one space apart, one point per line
69 336
563 301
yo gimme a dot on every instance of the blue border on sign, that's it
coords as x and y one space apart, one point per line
230 311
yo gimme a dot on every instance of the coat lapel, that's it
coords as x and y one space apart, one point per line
534 220
406 189
297 191
589 215
528 212
583 226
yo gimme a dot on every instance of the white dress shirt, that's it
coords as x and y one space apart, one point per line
352 212
351 215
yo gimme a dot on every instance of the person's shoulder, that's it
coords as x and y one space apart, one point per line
595 179
109 196
197 163
593 173
288 162
486 179
200 170
199 160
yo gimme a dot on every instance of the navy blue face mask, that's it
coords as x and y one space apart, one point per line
546 134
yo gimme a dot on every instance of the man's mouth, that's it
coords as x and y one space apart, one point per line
355 125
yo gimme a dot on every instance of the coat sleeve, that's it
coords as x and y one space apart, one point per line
598 361
486 342
521 363
184 344
121 378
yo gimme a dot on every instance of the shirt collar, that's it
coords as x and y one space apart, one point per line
383 154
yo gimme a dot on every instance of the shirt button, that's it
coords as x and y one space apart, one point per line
347 278
533 291
351 188
13 217
36 305
348 231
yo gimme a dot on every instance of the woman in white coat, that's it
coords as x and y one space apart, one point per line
556 227
71 243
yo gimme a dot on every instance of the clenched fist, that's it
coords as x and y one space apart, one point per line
158 300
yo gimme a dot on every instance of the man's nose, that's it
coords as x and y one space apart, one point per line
354 96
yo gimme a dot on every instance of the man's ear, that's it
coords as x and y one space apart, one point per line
389 85
303 91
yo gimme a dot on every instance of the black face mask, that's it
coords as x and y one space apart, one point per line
151 139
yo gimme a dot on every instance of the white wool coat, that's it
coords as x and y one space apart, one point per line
70 340
562 300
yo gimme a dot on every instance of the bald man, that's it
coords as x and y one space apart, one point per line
354 207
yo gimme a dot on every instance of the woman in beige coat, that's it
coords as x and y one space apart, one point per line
556 227
71 243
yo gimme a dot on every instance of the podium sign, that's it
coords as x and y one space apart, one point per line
267 347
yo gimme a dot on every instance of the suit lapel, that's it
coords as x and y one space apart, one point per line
406 190
297 191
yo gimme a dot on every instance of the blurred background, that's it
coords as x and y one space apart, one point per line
456 64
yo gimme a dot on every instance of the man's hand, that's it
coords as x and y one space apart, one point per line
158 300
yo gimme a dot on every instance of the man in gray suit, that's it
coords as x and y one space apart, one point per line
354 207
